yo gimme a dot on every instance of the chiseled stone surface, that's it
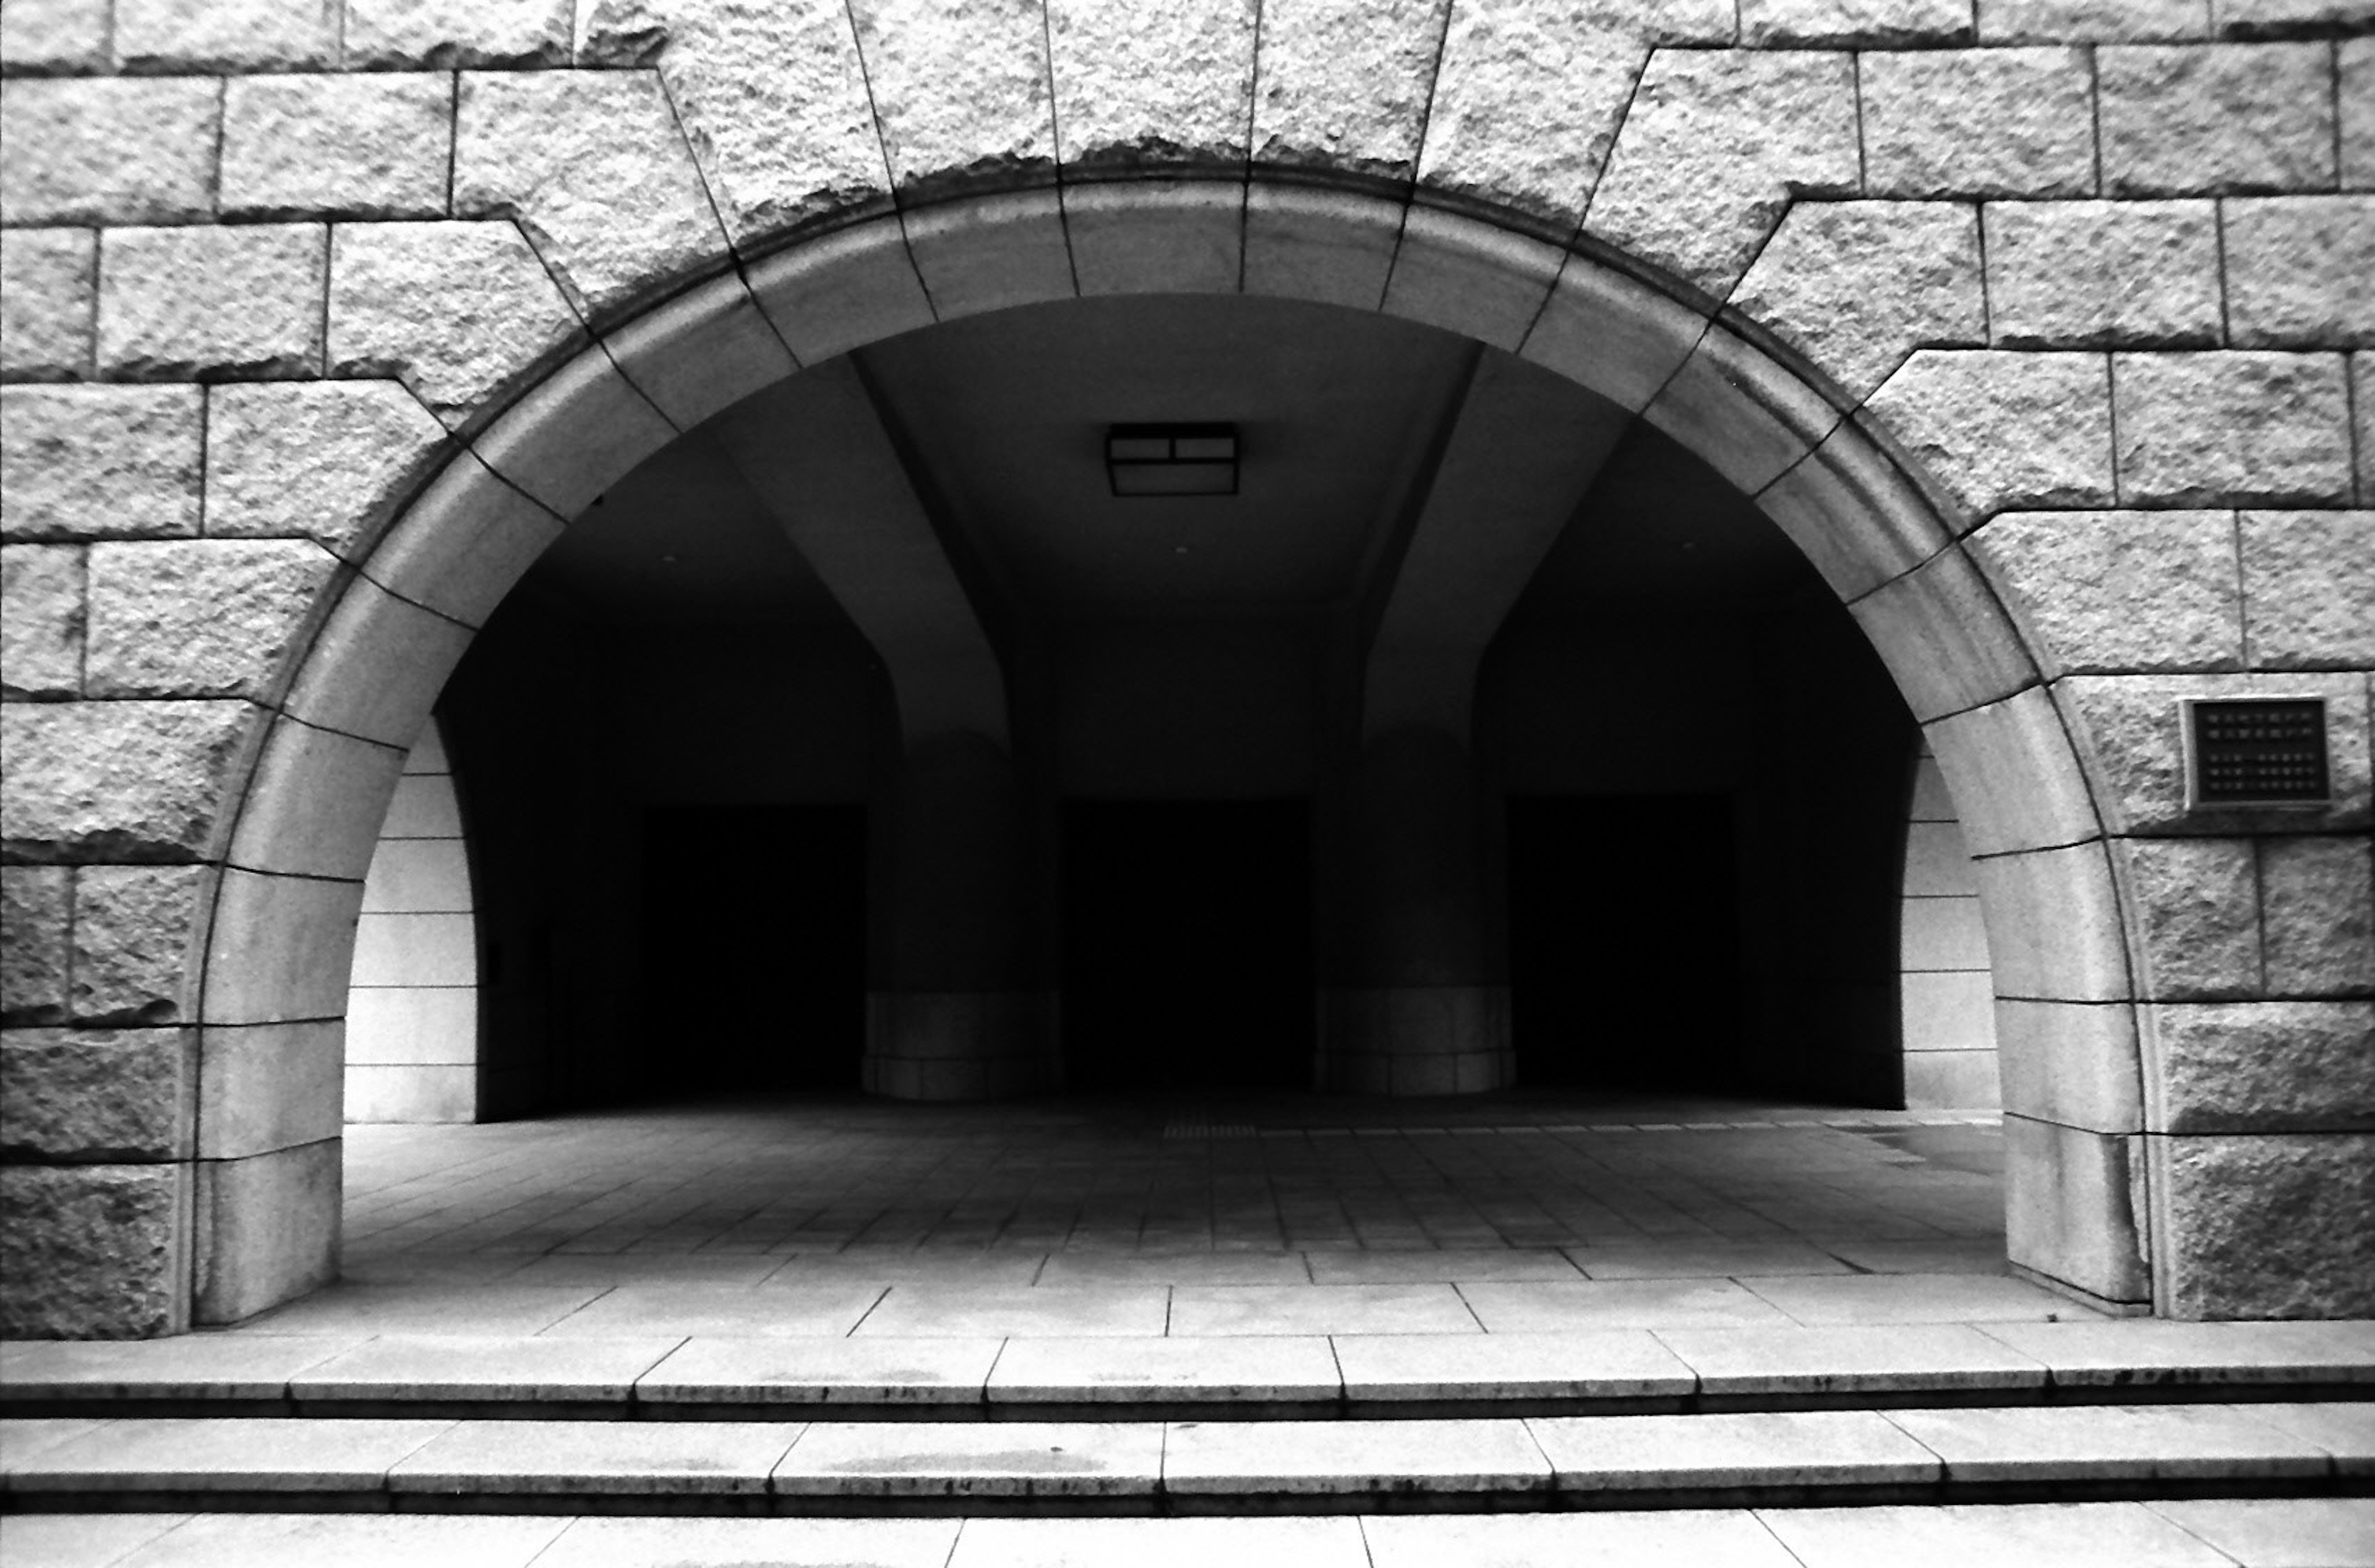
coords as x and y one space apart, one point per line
2355 90
365 144
93 1251
197 618
442 34
63 36
36 907
1713 149
118 462
225 35
1872 23
2263 1066
40 620
2195 905
2318 916
129 780
1978 122
2236 428
109 150
2297 271
960 88
2309 586
48 280
2140 591
320 460
1857 285
1999 430
96 1096
2092 22
178 303
2178 120
2362 401
2064 275
1154 85
1344 85
2276 1225
132 941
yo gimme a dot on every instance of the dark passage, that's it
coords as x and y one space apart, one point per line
1188 945
755 948
1624 946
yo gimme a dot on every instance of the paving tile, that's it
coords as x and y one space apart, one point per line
778 1543
2345 1431
81 1540
350 1540
894 1266
1698 1537
1705 1262
1282 1542
1620 1363
1343 1458
1034 1312
178 1454
1319 1309
2042 1535
1619 1303
1441 1264
1979 1255
739 1310
1915 1298
424 1309
644 1268
1783 1448
2108 1442
1179 1368
188 1366
823 1371
640 1458
974 1459
2281 1532
412 1267
517 1366
2140 1351
23 1437
1860 1360
1176 1268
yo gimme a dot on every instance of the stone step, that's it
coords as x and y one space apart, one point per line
876 1468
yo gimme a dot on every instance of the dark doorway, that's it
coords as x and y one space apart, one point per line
1623 941
753 947
1188 945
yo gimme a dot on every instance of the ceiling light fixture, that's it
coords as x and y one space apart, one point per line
1173 460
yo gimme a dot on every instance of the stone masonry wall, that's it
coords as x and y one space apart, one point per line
2095 275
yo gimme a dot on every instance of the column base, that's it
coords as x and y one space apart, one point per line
962 1045
1407 1040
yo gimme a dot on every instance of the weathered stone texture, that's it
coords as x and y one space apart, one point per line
2270 1226
47 277
2362 404
2292 18
2132 731
1712 152
442 34
116 781
95 1095
112 149
592 167
2232 429
2195 905
37 37
1345 86
363 145
2309 585
40 620
2000 430
133 946
960 89
2179 120
2298 270
226 35
327 461
1857 285
2091 21
2319 906
36 915
1877 23
93 1251
180 303
2140 591
199 617
2264 1067
84 462
1979 123
1157 85
2355 95
2068 274
460 312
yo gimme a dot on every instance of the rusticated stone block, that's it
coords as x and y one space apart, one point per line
2221 118
2066 275
109 150
2291 18
1880 23
443 34
114 1095
40 620
2309 586
1979 123
84 462
2355 94
463 314
2091 21
593 168
42 37
2140 591
2241 428
2318 898
2362 403
47 282
2263 1067
2297 271
1857 285
960 89
2278 1225
1343 86
1154 85
181 304
93 1251
226 35
1714 148
2194 904
1995 430
36 912
359 145
199 617
324 459
116 781
133 948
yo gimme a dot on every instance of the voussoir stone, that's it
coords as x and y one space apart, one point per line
93 1251
360 144
2319 920
199 617
179 303
36 909
328 461
2271 1225
2297 271
1856 286
2079 274
444 34
2263 1066
65 37
109 150
1140 85
960 88
1865 23
2233 427
2195 907
40 620
133 928
2149 592
84 462
226 35
1978 122
1996 430
127 780
95 1095
1344 86
2177 120
48 280
2308 584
